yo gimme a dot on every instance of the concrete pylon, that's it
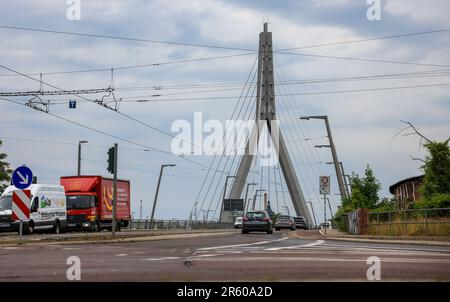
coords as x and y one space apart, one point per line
265 115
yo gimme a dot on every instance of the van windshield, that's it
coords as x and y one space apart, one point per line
80 202
6 202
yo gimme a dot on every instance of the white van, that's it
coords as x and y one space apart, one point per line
48 210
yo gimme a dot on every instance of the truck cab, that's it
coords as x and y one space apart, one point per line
82 212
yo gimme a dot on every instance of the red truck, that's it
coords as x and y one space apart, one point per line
89 202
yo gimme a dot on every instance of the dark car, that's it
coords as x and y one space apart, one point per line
301 222
285 222
257 221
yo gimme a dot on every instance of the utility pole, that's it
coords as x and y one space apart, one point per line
79 156
114 210
314 214
157 192
246 195
221 218
333 152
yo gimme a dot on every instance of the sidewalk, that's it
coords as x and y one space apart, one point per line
338 235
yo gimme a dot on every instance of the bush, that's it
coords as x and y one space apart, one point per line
436 201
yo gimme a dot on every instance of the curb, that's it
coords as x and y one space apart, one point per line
389 241
139 238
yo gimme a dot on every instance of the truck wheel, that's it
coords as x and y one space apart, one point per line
96 227
57 228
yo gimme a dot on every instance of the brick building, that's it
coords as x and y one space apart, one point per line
407 191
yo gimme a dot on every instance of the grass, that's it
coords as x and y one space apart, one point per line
414 227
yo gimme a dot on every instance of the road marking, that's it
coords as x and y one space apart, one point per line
318 242
203 256
162 258
315 259
239 245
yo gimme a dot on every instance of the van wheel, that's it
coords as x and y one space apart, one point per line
28 228
57 228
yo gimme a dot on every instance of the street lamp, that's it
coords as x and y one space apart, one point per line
157 192
331 145
254 197
224 195
314 214
79 156
246 195
347 191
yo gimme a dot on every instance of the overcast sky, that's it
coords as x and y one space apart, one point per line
363 123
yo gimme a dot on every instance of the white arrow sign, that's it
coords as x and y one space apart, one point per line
24 179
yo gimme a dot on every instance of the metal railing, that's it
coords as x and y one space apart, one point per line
415 222
146 224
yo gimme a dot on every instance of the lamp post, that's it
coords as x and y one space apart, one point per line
157 192
246 195
254 197
224 195
79 156
314 214
346 184
340 178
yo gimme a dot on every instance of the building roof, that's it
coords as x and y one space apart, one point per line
392 187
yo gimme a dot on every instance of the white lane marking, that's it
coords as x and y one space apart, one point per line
121 255
239 245
386 248
314 259
318 242
162 258
203 256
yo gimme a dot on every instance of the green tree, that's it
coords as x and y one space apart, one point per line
5 171
436 166
437 169
364 192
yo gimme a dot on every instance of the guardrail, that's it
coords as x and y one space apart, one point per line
417 222
146 224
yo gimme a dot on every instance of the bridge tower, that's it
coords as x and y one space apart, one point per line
265 115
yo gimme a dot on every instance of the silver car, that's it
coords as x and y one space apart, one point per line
285 222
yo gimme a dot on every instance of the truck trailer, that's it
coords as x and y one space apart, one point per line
90 202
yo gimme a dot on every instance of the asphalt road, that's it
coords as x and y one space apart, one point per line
234 257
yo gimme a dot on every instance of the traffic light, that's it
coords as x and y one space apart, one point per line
111 160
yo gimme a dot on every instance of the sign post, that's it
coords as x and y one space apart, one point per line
324 188
21 179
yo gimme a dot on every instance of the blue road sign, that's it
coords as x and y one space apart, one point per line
22 177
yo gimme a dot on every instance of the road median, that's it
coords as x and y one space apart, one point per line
105 237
